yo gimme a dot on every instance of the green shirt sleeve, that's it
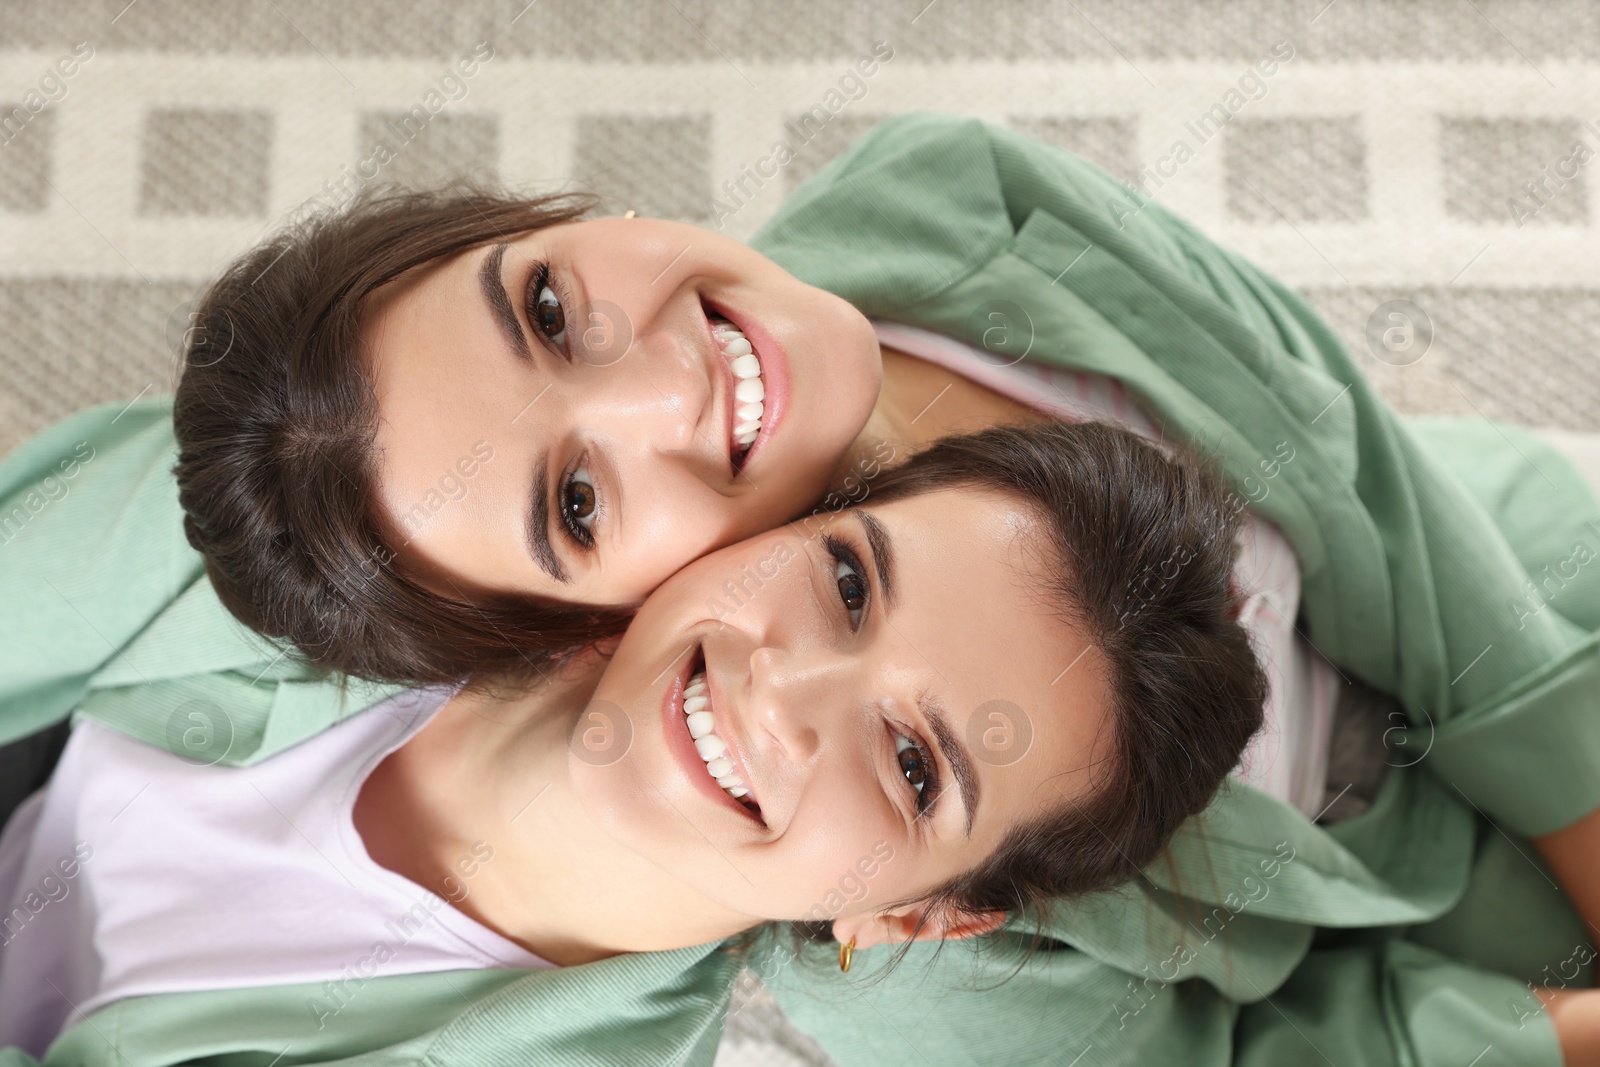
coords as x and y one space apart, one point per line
112 615
1387 1003
1539 502
91 550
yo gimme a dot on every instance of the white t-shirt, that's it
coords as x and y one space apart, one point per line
136 871
1288 756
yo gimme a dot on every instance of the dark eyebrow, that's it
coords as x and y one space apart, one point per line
494 291
538 533
951 748
955 754
882 554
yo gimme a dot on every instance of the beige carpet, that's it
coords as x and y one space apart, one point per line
1435 152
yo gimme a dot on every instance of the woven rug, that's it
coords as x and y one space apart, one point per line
1423 171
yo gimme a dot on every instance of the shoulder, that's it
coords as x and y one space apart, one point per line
118 449
93 501
910 207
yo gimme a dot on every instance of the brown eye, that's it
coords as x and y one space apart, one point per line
579 499
548 316
847 578
919 770
911 766
579 507
853 591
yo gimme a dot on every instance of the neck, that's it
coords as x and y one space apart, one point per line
919 403
489 777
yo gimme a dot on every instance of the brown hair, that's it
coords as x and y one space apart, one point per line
1144 546
276 465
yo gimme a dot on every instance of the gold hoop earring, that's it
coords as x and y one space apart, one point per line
629 214
846 954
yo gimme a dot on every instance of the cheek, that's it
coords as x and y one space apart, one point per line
840 855
850 364
847 326
673 520
844 849
618 800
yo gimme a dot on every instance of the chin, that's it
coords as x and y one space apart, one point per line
614 799
637 819
863 378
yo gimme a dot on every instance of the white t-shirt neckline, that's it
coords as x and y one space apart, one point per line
216 877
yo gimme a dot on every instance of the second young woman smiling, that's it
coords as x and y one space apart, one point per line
843 693
950 673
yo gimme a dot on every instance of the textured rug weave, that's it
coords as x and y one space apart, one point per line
1423 171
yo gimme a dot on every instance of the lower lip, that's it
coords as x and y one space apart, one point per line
675 726
775 380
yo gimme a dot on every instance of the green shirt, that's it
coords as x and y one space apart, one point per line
1416 538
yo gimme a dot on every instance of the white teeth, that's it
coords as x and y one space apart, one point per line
712 749
750 392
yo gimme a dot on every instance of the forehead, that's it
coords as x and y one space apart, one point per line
431 314
979 621
432 352
984 551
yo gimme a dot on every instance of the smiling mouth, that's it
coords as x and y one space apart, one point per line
700 719
749 393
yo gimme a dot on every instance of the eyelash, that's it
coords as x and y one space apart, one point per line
539 280
844 552
841 551
582 537
930 770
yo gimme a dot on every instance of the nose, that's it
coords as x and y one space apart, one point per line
672 423
678 401
788 697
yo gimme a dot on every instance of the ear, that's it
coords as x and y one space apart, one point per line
895 926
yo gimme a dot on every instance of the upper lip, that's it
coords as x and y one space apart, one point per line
729 728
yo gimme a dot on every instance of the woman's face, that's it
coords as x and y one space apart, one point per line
562 414
897 689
